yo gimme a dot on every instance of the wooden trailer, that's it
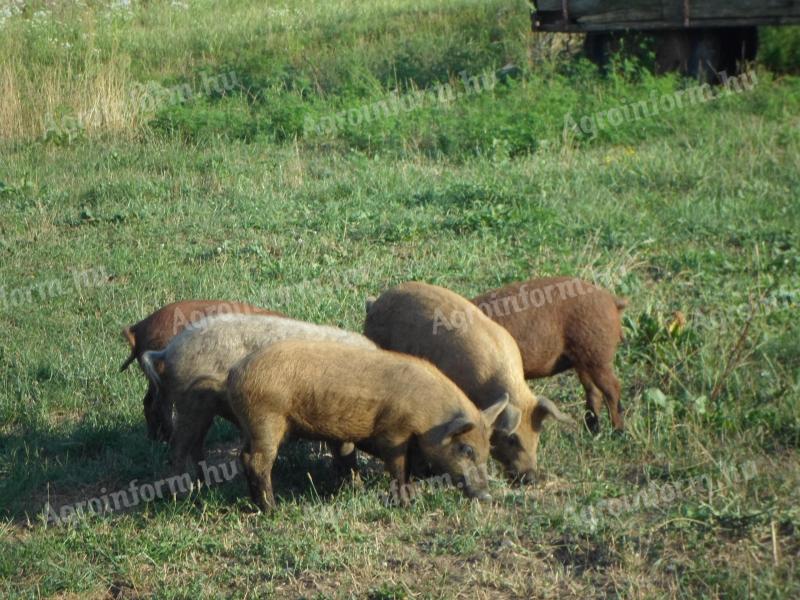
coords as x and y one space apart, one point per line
698 37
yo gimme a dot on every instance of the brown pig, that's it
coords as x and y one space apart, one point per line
564 323
474 352
155 331
387 402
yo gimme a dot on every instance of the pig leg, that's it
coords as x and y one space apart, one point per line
608 383
198 447
418 466
181 442
206 407
397 465
258 471
247 477
594 402
345 463
188 436
259 455
157 417
154 429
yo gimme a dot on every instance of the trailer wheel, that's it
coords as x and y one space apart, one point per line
672 51
704 54
739 47
597 48
725 50
706 57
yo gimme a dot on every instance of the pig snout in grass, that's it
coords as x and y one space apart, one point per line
563 323
156 330
195 365
310 389
476 353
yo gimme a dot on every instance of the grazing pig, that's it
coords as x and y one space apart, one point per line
476 353
564 323
196 362
154 333
311 389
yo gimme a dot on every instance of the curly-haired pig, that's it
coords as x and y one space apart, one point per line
311 389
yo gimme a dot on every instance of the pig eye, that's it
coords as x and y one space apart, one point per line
513 440
468 451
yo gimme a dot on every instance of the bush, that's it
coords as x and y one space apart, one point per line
780 49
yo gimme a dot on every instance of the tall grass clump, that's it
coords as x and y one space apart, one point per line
74 69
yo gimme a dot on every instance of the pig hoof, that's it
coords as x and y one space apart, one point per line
483 497
592 423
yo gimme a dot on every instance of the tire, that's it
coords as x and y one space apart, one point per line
705 58
596 47
672 51
721 53
739 47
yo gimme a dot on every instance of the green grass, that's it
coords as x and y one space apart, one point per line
223 196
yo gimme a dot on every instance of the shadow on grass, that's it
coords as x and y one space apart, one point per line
42 464
75 464
584 553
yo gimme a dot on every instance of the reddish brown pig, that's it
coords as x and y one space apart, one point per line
474 352
155 331
311 389
564 323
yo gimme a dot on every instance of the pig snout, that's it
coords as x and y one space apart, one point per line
481 496
475 484
524 477
517 453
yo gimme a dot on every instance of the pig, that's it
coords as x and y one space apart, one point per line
194 365
476 353
156 330
563 323
310 389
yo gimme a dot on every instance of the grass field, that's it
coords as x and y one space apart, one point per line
155 151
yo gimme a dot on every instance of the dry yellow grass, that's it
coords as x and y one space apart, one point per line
34 102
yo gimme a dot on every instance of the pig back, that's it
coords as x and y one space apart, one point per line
329 390
210 347
446 329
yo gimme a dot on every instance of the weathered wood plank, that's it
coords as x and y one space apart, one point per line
628 14
714 9
585 7
557 25
595 12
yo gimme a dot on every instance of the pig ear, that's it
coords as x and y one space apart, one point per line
546 406
509 420
491 414
457 426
